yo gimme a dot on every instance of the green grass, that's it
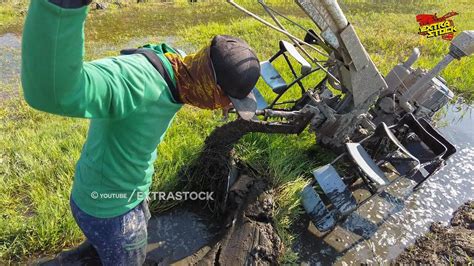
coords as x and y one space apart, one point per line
39 150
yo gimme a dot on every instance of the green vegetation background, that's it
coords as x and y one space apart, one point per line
38 151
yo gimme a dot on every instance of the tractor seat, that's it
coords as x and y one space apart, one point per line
271 76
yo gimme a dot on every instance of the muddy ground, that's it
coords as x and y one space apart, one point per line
452 244
249 236
244 202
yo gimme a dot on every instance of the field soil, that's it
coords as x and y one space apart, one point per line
452 244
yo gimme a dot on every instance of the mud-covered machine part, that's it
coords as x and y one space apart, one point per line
381 125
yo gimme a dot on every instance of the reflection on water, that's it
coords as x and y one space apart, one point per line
384 226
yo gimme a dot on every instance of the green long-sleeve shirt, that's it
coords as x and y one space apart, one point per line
128 102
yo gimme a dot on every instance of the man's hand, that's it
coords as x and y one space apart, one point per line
71 3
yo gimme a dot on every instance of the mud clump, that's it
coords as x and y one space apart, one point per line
249 236
452 244
210 171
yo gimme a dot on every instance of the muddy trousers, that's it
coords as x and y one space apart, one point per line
120 240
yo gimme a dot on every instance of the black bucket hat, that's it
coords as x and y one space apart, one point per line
237 71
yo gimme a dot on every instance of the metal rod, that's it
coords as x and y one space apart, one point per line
273 26
284 32
294 73
313 34
301 78
283 28
291 85
287 102
276 100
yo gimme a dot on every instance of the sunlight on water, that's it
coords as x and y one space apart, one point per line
380 229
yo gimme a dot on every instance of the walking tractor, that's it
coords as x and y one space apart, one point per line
381 125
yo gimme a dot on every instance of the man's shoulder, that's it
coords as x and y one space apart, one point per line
161 48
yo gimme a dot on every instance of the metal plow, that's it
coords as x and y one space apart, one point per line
381 125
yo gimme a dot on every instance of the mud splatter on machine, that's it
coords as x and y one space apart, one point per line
381 125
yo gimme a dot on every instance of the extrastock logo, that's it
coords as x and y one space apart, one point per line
432 26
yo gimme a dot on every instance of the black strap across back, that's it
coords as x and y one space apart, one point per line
158 64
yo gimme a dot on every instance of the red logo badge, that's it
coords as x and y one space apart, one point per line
432 26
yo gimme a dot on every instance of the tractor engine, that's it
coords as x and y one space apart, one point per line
417 90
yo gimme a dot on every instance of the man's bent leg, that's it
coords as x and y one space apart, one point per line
119 240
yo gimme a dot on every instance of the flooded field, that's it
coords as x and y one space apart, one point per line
10 45
179 233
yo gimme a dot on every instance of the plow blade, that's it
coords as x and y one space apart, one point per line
415 145
450 149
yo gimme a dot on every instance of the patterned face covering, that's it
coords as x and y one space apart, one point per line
196 81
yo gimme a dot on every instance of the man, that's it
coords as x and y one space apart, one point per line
131 101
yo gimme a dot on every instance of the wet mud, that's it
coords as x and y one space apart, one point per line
249 236
245 203
241 215
452 244
10 58
211 171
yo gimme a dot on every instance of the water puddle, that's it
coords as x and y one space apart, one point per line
10 61
172 236
178 233
380 229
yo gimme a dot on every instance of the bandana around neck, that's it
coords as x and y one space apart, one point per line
196 80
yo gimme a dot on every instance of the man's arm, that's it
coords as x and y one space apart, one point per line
56 80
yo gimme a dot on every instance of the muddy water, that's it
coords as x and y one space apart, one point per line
179 233
380 230
376 233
